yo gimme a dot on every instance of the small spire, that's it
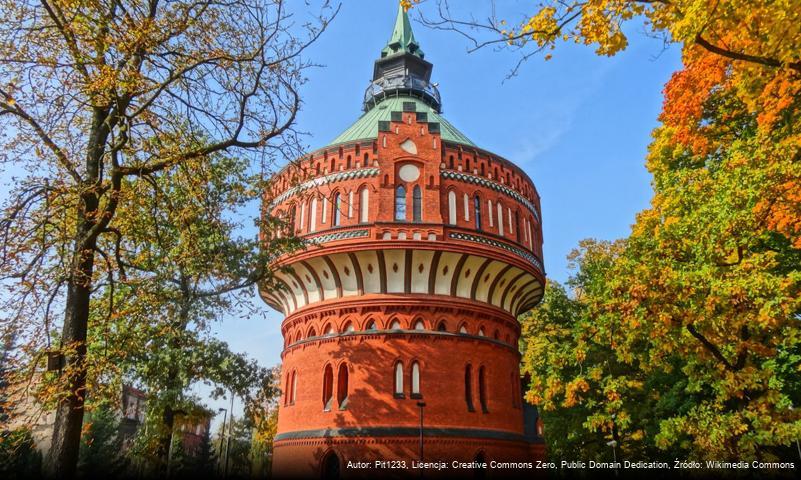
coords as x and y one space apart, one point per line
402 40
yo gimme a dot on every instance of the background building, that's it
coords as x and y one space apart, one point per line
423 249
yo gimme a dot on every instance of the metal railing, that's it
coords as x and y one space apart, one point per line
383 86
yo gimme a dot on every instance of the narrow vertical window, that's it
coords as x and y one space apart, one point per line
335 214
328 387
398 379
313 215
417 204
468 387
530 238
482 389
509 215
364 197
302 216
500 219
466 207
293 210
489 212
400 203
342 386
350 204
294 388
477 211
452 207
324 216
416 380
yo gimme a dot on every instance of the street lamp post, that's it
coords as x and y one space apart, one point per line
222 436
613 444
421 405
228 443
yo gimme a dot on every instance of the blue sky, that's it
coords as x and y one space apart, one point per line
579 124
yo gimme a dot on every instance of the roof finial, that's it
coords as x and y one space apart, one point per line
402 39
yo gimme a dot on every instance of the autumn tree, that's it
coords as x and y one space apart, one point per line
97 96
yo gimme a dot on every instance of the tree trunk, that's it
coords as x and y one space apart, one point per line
62 460
63 457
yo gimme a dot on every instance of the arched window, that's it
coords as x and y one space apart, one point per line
366 159
419 325
287 386
364 197
441 327
342 386
329 329
324 216
452 207
450 162
370 325
482 389
294 388
400 203
481 332
335 214
398 379
293 210
328 387
302 216
417 204
500 218
348 327
395 325
416 380
468 387
348 163
489 212
350 204
517 225
466 207
462 329
312 333
313 215
477 211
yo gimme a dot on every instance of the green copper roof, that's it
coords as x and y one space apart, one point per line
366 127
402 40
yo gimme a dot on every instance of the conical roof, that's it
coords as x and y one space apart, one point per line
402 39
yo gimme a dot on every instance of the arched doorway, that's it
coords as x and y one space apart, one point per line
480 472
330 470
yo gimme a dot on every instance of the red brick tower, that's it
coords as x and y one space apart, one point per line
422 250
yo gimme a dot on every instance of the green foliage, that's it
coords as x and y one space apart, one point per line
100 454
19 458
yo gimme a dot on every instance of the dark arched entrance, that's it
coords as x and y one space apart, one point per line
480 472
330 470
